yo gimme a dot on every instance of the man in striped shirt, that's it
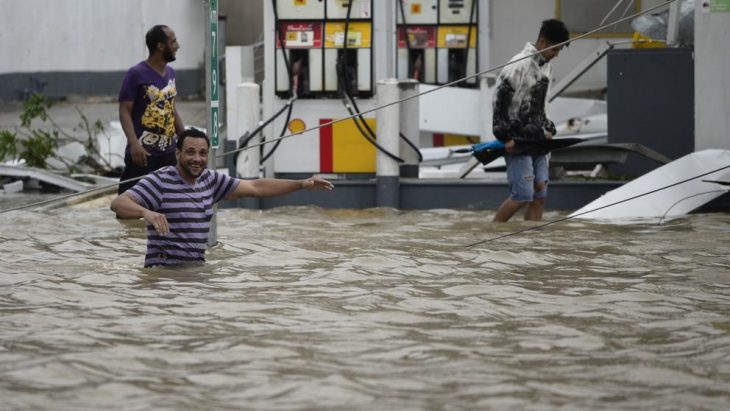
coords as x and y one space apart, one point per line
176 202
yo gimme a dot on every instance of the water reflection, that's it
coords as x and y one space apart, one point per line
364 309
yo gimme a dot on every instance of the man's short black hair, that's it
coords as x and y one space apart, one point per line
554 31
154 36
191 132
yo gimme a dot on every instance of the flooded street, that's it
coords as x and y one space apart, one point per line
305 308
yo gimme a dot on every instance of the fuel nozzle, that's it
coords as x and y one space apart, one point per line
296 71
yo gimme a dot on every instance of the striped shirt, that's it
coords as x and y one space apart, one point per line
188 209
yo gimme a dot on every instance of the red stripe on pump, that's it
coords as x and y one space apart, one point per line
438 140
326 154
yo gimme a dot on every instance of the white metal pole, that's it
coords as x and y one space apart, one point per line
384 23
248 109
484 31
387 128
247 119
269 82
409 126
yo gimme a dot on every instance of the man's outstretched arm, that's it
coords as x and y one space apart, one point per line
270 187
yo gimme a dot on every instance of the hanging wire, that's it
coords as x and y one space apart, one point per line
292 90
687 198
348 100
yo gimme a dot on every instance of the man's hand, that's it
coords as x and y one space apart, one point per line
548 135
317 183
158 221
509 146
139 154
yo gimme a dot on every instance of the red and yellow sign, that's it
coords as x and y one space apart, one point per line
300 35
419 37
342 149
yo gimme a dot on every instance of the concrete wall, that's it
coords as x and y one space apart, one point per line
80 46
712 79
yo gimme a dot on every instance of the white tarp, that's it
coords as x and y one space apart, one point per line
674 201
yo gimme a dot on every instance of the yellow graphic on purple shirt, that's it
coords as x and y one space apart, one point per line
158 120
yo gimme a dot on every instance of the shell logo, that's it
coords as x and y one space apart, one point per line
297 125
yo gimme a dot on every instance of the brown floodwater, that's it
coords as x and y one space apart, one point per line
306 308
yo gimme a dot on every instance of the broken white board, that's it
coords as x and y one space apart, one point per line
669 191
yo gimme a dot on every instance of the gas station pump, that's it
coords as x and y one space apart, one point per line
313 67
457 41
337 9
303 48
455 58
437 40
322 50
351 63
417 22
437 44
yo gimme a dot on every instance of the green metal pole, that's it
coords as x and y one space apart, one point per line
211 96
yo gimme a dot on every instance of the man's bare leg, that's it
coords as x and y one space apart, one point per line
534 210
506 210
536 207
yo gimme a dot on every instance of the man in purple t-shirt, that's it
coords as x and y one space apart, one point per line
147 108
177 202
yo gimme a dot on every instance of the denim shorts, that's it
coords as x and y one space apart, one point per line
522 173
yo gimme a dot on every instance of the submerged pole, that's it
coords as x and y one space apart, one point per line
410 128
387 128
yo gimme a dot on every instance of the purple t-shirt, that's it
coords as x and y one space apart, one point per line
188 209
153 109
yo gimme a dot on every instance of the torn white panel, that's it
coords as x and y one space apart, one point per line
666 199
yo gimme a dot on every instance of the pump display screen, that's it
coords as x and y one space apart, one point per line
301 35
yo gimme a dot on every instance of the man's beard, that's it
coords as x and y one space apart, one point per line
189 170
168 55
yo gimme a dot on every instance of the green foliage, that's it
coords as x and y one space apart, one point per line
40 146
35 107
8 145
37 145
